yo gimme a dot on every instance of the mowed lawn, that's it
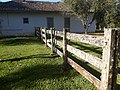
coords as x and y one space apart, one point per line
26 64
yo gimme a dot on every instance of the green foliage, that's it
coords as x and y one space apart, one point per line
99 13
81 8
116 14
107 13
110 13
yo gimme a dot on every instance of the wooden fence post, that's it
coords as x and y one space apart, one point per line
65 47
52 41
68 30
40 33
45 37
109 60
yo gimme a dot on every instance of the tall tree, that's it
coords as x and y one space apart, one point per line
107 13
115 15
82 9
110 14
99 13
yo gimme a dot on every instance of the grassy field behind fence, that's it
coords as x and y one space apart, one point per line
25 63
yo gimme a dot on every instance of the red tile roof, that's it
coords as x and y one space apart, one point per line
33 6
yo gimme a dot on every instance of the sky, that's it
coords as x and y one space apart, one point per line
35 0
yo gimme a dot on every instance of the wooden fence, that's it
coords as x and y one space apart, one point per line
107 65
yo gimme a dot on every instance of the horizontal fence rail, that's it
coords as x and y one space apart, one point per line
95 61
110 43
59 43
43 30
89 39
59 52
85 73
57 33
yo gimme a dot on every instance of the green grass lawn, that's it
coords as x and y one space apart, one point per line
26 64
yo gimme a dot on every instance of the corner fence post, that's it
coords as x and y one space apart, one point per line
109 60
45 37
65 47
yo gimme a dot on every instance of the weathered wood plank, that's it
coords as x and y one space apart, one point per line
38 33
108 59
59 33
43 35
43 40
48 40
49 45
85 56
43 30
84 72
95 61
52 41
65 47
89 39
48 31
58 52
59 43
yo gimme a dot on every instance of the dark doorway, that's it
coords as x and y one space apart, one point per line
67 22
50 22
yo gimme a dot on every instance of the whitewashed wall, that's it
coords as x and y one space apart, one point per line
12 23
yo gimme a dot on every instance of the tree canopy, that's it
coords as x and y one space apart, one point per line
81 8
106 12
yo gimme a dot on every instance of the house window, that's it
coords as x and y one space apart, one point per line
50 22
66 22
25 20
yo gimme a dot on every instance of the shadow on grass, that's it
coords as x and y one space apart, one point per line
118 87
30 57
88 48
28 76
118 70
84 64
20 41
87 67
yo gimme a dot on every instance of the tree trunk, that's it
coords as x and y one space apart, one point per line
86 31
85 24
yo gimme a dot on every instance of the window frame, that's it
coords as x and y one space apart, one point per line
50 24
67 20
25 20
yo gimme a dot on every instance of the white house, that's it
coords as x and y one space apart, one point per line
20 17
